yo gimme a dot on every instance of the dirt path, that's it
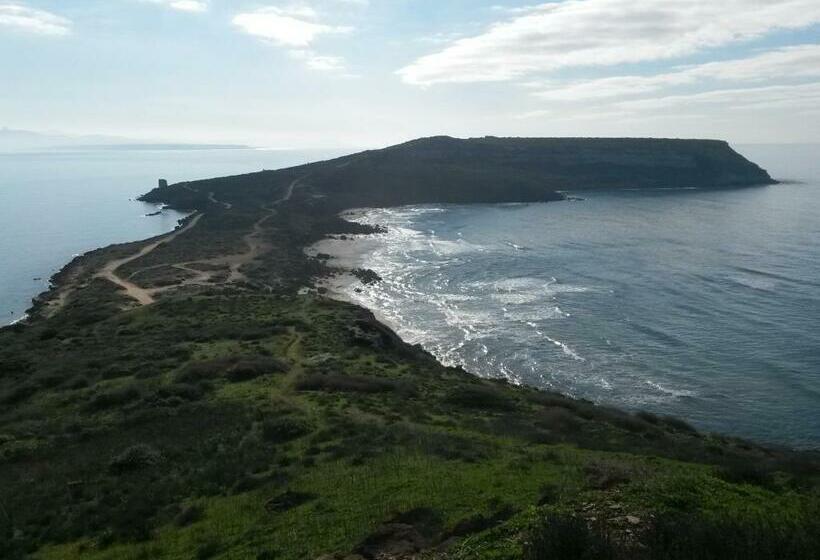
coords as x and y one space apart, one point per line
109 271
256 246
227 205
254 241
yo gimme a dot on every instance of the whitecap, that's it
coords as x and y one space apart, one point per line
566 349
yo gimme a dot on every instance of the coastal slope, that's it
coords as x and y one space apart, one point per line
238 413
478 170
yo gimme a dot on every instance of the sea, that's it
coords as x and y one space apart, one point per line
696 303
59 203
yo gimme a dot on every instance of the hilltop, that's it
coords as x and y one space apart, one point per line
191 396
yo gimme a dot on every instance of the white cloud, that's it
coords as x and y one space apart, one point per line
585 33
801 61
296 28
189 5
195 6
319 62
30 20
767 97
285 27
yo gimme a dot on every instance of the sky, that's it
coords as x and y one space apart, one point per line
368 73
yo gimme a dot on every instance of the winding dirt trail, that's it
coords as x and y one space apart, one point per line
109 271
254 241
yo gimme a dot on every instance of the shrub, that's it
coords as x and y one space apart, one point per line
18 394
679 425
565 537
113 397
648 417
353 384
558 419
745 472
286 428
184 391
288 500
208 549
134 458
233 368
603 475
676 536
480 396
188 515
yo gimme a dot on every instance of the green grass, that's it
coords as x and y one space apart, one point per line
386 431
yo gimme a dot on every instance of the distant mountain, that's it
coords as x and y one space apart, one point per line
12 140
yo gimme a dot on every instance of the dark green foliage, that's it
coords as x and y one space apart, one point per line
208 549
233 368
694 537
481 397
353 383
675 536
288 500
678 424
745 472
567 537
603 475
18 394
134 458
188 515
648 417
283 429
114 397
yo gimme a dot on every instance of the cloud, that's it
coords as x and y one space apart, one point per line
195 6
766 97
595 33
319 62
795 62
287 27
296 28
30 20
189 5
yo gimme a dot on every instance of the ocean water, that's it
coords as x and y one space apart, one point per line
701 304
60 203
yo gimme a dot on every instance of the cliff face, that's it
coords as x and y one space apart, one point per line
443 169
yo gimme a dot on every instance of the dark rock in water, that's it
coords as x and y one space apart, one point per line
366 276
157 213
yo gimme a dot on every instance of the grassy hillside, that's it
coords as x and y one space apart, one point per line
242 416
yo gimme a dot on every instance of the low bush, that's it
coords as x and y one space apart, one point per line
480 396
745 472
566 537
113 397
233 368
678 424
648 417
188 515
353 384
134 458
603 475
18 394
283 429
